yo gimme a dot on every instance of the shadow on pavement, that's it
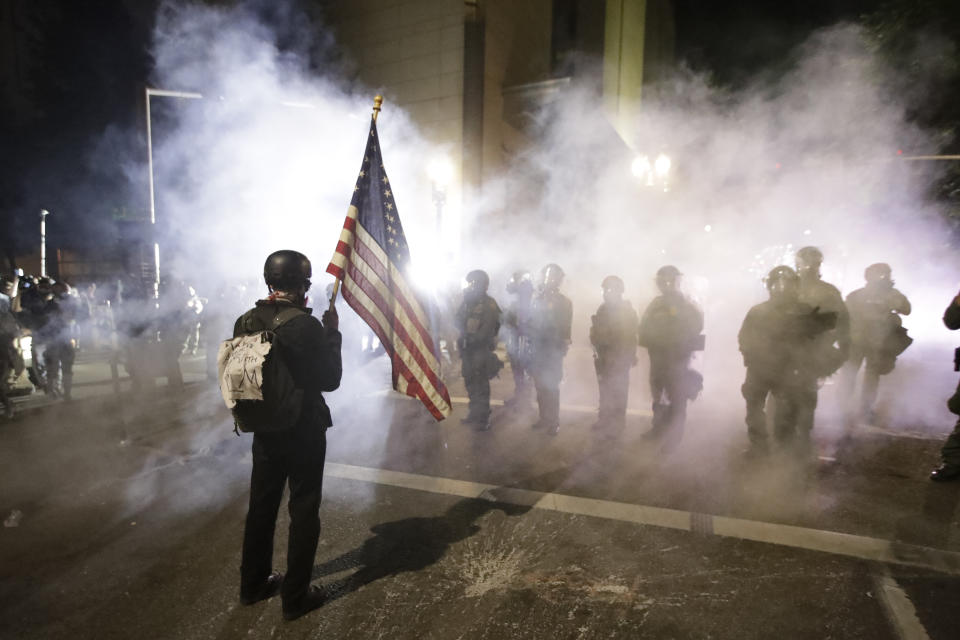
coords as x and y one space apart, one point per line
413 544
410 544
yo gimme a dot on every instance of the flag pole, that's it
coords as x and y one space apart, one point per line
377 102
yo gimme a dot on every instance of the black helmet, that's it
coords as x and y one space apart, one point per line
668 271
520 281
286 269
478 280
612 283
782 274
810 256
877 272
552 275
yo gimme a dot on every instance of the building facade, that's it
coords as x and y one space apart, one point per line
472 74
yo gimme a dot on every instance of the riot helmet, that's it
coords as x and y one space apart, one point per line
287 270
612 287
477 282
552 276
612 283
808 261
782 283
521 282
879 274
668 279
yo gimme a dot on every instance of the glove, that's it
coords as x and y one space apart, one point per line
331 320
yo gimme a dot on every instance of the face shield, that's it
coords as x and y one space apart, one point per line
782 288
668 284
552 277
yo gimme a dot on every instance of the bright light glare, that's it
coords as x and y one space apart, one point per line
440 171
708 228
662 166
640 167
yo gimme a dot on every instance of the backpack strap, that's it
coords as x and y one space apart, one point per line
284 316
267 318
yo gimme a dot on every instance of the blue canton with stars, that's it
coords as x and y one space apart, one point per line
376 210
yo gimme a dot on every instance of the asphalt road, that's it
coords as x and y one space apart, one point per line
132 510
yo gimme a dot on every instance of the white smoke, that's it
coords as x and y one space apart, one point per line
808 159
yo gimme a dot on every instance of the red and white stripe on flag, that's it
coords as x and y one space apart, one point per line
380 294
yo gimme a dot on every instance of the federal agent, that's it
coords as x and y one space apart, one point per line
311 351
10 360
776 340
478 321
877 334
949 468
613 334
671 331
833 347
550 319
516 333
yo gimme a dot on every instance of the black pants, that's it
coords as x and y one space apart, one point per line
296 458
950 453
669 395
547 374
6 368
795 403
614 382
475 379
58 357
521 375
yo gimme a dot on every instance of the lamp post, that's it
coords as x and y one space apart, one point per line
43 242
440 171
148 93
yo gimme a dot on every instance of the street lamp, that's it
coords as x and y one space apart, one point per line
641 169
652 174
440 171
661 167
148 93
43 242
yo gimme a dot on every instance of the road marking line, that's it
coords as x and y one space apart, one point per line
899 608
854 546
913 435
574 408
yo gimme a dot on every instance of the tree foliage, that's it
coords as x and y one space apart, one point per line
921 38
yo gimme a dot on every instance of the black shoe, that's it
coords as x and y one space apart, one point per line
536 425
553 429
315 598
269 588
945 473
484 425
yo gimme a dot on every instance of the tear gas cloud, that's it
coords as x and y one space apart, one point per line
810 158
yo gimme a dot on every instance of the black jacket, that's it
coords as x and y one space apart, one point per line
310 350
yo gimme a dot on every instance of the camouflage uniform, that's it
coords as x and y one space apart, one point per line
478 320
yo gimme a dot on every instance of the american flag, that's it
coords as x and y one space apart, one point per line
371 261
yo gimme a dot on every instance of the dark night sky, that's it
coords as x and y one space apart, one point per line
735 40
94 62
